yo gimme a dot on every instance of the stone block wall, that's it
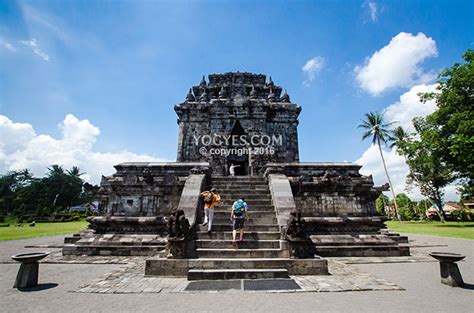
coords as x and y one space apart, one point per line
145 189
241 104
329 189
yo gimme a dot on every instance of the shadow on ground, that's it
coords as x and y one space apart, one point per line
39 287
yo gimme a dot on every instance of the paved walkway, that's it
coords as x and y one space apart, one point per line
404 284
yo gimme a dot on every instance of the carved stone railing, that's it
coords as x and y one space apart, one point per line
282 197
183 221
296 234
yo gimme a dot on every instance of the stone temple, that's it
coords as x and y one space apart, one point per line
299 212
238 106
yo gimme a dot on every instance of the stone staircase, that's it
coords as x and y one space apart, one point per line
261 237
262 253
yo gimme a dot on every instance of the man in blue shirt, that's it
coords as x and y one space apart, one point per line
238 216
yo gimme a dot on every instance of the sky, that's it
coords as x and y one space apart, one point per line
94 83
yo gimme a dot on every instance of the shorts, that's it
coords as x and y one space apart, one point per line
238 223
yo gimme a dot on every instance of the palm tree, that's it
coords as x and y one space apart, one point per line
380 133
398 138
55 170
75 172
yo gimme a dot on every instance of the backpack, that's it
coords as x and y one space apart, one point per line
239 208
208 198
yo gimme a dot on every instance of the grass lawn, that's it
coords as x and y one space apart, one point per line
41 229
448 229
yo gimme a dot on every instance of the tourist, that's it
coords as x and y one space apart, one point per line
211 198
238 216
232 169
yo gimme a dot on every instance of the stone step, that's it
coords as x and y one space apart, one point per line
253 214
179 267
118 243
242 253
394 236
72 239
248 235
239 181
236 195
243 185
265 207
211 274
247 227
243 188
251 221
226 202
238 178
229 200
237 187
362 251
246 244
116 250
254 195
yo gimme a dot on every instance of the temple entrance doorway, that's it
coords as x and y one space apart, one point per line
241 161
241 169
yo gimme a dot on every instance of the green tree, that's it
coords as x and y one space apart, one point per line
403 200
59 188
64 188
380 204
454 120
379 132
427 168
405 207
399 140
10 184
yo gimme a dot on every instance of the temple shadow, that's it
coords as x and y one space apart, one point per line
39 287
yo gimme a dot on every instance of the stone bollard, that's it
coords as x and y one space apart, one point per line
449 270
28 273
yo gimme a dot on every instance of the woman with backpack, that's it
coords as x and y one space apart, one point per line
238 216
210 199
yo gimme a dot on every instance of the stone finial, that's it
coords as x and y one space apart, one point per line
203 81
204 97
222 93
190 97
253 93
285 97
270 82
271 96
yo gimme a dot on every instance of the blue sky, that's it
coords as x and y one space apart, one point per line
123 65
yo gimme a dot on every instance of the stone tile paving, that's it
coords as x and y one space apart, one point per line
130 279
344 278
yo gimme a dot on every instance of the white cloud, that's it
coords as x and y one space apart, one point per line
372 9
372 164
8 46
397 64
410 106
34 46
402 111
312 67
38 19
21 147
397 169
